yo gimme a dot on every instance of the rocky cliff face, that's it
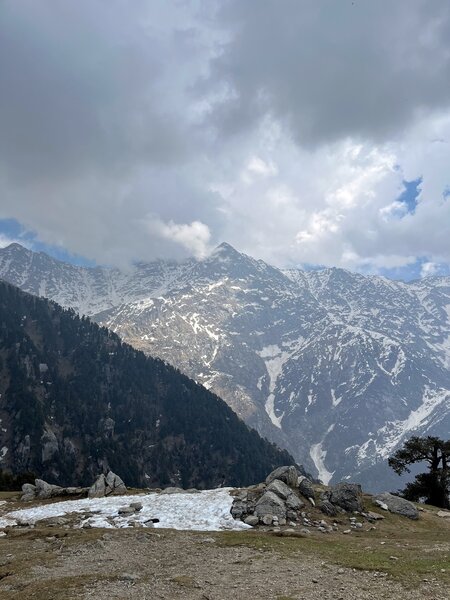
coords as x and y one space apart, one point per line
336 367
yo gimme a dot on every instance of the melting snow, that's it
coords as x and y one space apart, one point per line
205 511
390 435
318 455
274 359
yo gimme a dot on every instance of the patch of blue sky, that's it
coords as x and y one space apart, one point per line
12 230
410 194
416 270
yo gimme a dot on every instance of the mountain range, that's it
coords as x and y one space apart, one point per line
336 367
76 401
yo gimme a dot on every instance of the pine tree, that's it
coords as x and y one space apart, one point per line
434 486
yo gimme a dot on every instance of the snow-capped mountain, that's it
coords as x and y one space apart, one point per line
336 367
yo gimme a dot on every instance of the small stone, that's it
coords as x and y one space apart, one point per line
129 577
267 519
137 506
126 510
347 531
252 520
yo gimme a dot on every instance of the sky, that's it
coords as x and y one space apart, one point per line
302 132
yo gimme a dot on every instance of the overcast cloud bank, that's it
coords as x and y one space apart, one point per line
288 130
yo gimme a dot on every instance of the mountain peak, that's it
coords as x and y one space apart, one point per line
225 248
16 247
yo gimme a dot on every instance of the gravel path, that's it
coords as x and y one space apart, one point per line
168 564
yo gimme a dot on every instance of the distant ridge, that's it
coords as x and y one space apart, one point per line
76 401
336 367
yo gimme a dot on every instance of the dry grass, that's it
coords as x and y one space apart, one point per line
407 550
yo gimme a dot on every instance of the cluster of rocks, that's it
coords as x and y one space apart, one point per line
105 485
283 499
284 495
41 490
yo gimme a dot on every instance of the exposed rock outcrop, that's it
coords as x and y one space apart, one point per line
288 474
397 505
282 500
108 485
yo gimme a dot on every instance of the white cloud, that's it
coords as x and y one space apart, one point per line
428 269
194 236
6 240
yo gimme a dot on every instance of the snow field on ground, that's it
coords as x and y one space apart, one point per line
208 510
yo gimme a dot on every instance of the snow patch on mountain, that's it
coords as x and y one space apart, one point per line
318 456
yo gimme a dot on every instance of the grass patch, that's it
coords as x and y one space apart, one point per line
421 549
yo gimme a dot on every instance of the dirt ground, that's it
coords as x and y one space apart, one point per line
47 564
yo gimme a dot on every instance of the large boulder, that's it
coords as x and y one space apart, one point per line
305 487
270 504
115 485
347 496
45 490
397 505
327 508
284 492
28 492
98 488
279 488
107 485
287 474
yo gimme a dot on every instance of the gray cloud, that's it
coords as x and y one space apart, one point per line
333 69
283 128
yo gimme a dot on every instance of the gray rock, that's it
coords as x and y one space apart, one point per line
284 492
399 506
373 516
115 485
172 490
327 508
347 496
287 474
28 497
266 519
239 508
136 506
293 502
28 492
279 488
28 488
126 510
445 514
251 520
98 488
45 490
305 487
270 504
